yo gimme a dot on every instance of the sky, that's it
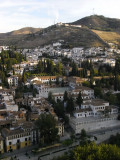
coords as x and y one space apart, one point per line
16 14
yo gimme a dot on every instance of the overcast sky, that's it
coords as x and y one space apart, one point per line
16 14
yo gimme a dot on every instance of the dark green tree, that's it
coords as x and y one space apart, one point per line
47 126
65 96
24 78
79 100
70 105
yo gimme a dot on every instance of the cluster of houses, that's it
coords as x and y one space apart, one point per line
78 54
17 127
91 108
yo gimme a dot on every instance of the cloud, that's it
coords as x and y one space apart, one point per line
15 14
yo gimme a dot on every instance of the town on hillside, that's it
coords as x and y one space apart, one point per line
52 92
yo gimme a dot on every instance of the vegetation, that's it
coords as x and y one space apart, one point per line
99 22
113 37
48 67
93 152
117 75
70 105
67 142
47 125
75 72
79 100
24 89
73 36
7 59
114 139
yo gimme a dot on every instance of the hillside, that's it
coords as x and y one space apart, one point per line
95 31
72 35
26 30
99 23
108 37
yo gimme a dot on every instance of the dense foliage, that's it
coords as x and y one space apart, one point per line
48 66
47 125
93 152
7 59
115 139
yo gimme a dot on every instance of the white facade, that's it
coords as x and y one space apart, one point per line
92 123
13 81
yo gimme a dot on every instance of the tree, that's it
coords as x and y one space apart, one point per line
50 97
117 76
79 100
93 151
83 137
96 152
83 134
47 126
59 68
50 82
74 69
70 105
62 84
114 139
65 96
24 78
57 80
98 92
13 71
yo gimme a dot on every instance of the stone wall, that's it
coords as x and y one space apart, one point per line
93 125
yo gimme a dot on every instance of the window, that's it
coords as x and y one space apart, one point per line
25 139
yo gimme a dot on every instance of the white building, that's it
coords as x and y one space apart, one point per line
13 80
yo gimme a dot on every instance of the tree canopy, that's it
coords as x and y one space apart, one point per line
93 151
47 125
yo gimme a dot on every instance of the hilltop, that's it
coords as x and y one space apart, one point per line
99 23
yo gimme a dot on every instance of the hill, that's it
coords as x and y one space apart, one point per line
72 35
26 30
95 31
99 23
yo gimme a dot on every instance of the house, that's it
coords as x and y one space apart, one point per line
46 79
93 115
13 80
60 127
19 136
11 106
87 112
